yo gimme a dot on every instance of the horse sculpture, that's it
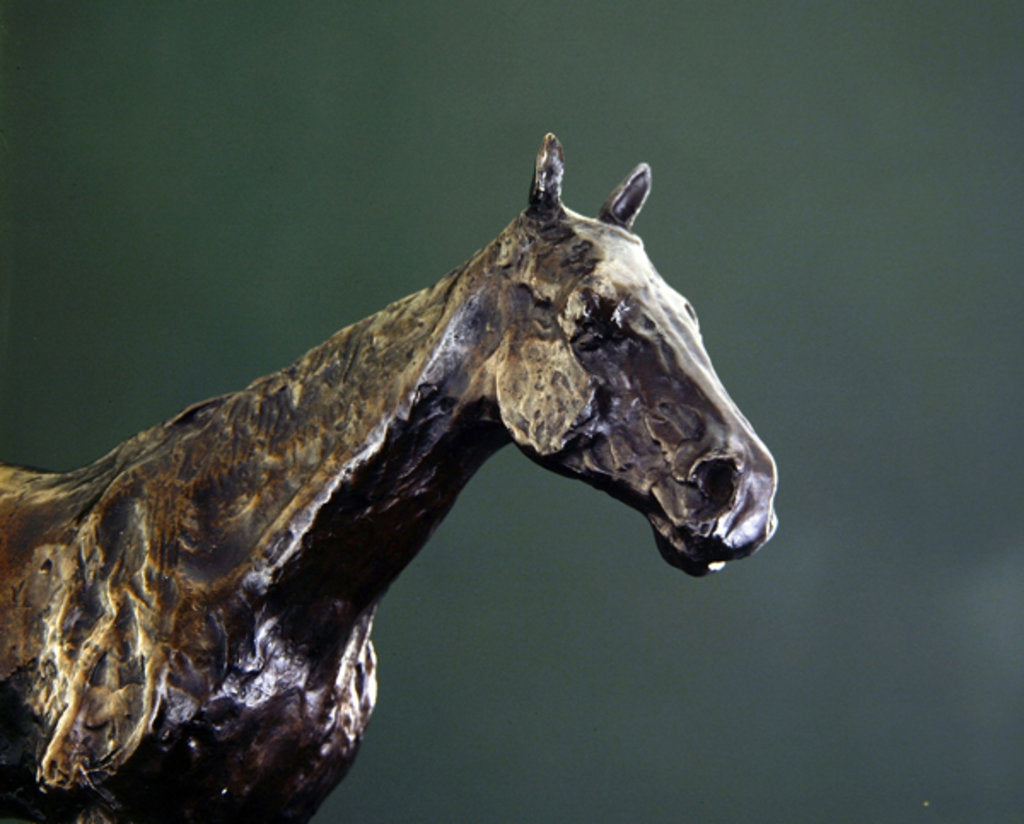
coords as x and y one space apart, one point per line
185 623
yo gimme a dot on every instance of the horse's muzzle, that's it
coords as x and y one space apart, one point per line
730 513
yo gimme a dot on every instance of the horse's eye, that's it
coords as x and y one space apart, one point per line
597 325
589 337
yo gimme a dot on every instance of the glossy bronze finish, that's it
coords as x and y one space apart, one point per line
185 623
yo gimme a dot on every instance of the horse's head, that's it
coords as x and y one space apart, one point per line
603 376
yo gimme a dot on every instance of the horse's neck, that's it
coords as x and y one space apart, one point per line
334 471
324 478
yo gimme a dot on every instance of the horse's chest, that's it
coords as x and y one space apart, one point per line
277 735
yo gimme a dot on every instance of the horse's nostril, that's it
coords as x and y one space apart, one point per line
716 479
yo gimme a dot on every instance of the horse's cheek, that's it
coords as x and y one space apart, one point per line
542 389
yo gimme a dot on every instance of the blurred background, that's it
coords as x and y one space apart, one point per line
195 194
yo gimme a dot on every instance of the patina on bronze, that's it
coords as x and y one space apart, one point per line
185 623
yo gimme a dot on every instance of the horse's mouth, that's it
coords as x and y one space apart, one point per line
694 554
709 545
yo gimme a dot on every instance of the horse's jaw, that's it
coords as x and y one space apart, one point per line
688 535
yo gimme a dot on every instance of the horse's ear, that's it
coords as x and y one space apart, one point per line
546 190
625 203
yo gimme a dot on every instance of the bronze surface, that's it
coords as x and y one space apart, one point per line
185 623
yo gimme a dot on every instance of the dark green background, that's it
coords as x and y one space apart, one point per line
194 194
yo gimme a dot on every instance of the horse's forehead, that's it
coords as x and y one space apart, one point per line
597 257
624 270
